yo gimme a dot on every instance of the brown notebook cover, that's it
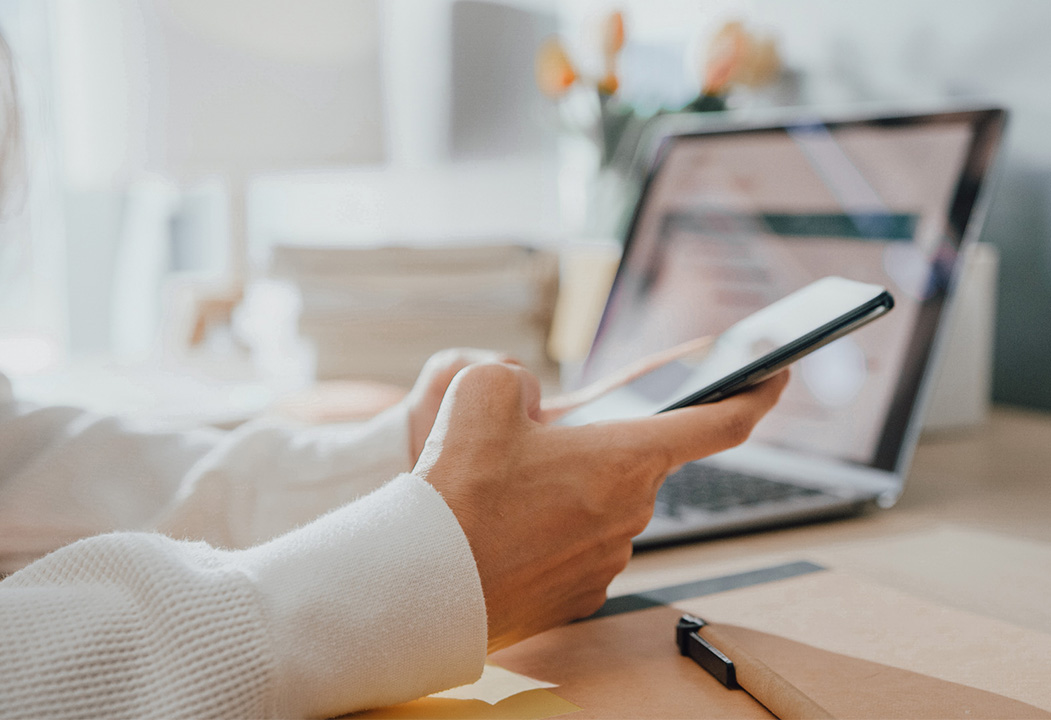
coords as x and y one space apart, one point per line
794 680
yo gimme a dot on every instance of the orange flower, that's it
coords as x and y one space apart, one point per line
613 34
763 66
554 70
612 42
725 55
608 85
736 57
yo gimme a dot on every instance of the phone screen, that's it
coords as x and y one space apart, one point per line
750 350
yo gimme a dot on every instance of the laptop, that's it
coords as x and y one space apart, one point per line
732 217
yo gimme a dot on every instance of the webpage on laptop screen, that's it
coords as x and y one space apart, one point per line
734 222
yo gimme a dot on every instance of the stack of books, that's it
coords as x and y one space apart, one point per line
379 313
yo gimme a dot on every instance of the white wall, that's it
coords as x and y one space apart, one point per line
338 115
188 89
864 50
114 91
470 156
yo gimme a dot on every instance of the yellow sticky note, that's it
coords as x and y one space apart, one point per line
496 684
498 694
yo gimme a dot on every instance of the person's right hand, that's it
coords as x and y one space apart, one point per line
550 511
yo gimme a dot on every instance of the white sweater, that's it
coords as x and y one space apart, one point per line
258 607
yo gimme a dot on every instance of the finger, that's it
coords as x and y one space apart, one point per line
511 388
691 433
554 408
530 389
442 366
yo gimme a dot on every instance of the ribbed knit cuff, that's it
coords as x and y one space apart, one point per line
376 603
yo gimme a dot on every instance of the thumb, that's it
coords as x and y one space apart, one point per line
694 432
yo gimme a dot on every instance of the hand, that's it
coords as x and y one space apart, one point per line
426 395
550 511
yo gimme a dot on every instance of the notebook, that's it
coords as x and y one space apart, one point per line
734 216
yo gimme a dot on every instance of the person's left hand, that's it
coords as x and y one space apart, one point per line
426 395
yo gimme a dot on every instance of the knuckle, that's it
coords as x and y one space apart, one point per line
621 494
443 358
596 505
490 375
624 464
494 386
737 428
639 522
591 602
635 466
622 557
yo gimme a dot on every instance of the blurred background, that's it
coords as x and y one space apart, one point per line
229 200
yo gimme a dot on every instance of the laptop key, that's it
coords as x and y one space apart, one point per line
716 490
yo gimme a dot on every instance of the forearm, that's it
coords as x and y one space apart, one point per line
375 603
265 480
66 474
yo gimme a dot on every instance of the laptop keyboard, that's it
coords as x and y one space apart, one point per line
715 489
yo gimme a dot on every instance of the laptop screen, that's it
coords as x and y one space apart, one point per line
731 220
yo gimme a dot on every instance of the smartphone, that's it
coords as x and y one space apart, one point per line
748 352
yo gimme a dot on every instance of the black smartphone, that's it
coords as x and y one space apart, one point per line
748 352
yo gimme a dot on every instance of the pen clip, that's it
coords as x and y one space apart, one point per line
709 657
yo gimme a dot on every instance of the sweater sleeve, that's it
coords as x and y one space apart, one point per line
67 474
376 602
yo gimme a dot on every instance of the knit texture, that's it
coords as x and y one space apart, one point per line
132 626
66 474
375 603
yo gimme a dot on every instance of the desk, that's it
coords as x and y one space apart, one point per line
961 536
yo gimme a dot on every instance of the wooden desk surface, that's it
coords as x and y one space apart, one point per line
970 531
994 478
970 534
